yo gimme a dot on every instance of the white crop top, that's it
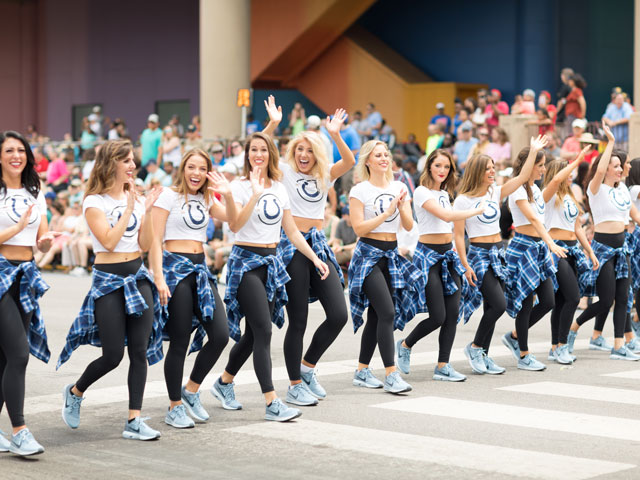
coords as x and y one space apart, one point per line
263 226
489 222
428 223
609 204
187 220
113 210
306 196
634 191
537 205
376 200
13 203
561 216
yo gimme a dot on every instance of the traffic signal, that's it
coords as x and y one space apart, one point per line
244 97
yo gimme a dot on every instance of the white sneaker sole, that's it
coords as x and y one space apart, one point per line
475 370
192 414
601 349
137 436
225 405
442 378
532 369
24 453
295 401
629 359
273 418
176 425
360 383
395 392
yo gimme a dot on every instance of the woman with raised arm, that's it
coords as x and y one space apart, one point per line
256 277
185 284
438 262
633 182
484 262
530 268
379 278
610 207
307 175
122 307
23 226
561 218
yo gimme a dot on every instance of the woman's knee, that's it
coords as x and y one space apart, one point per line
113 356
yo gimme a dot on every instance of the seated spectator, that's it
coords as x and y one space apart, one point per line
463 146
410 166
192 140
516 108
75 192
155 173
330 221
411 148
571 146
58 174
400 175
483 142
237 155
65 224
217 155
441 117
42 163
544 122
89 159
544 101
387 135
495 107
479 115
500 149
343 241
527 106
587 139
297 119
552 150
88 138
617 118
435 138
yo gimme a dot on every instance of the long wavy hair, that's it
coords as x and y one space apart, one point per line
449 183
472 183
180 183
103 175
622 156
634 173
321 168
553 168
362 171
273 172
519 163
29 177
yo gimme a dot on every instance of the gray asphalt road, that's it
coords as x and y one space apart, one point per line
567 422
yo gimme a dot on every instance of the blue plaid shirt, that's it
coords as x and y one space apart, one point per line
176 268
407 282
529 263
583 264
84 330
241 261
480 260
424 258
32 287
633 240
320 247
604 253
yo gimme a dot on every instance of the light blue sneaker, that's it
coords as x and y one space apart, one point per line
23 443
571 338
403 357
310 379
298 394
623 353
600 343
191 402
529 362
393 383
226 395
4 443
492 367
475 355
137 429
279 412
633 345
448 374
562 356
552 356
177 417
71 407
512 344
635 327
366 378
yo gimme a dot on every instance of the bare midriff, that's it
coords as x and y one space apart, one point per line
495 238
385 237
527 230
610 227
306 224
116 257
256 245
561 234
16 252
436 238
183 246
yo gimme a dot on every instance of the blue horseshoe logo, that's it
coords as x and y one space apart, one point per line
308 190
16 201
444 203
263 213
620 199
491 213
198 221
381 203
539 202
132 227
570 211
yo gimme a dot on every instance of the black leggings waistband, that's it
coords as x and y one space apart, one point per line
440 248
380 244
262 251
123 269
570 243
488 245
613 240
195 258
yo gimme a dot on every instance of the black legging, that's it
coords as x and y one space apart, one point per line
529 315
609 289
331 295
252 297
443 310
494 303
114 324
182 306
378 329
14 351
567 298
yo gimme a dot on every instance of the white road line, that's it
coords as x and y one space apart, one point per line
157 388
582 392
453 453
551 420
632 374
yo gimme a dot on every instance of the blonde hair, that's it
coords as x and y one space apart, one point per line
553 168
273 172
361 170
103 175
180 185
320 169
472 183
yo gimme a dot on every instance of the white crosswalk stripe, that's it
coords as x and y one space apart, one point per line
582 392
631 374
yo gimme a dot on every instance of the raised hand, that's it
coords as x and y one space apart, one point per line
45 240
218 183
582 153
275 113
24 218
609 133
257 182
132 196
151 197
539 143
334 125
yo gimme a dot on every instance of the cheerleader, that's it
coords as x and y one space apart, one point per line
256 277
23 225
438 262
185 284
308 176
633 182
122 307
561 218
530 267
379 278
484 261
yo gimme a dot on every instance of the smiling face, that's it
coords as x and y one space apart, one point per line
614 171
304 157
538 171
439 170
195 173
489 173
258 154
125 169
13 158
379 160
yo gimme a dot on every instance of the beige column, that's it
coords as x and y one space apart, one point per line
518 131
634 135
636 54
224 64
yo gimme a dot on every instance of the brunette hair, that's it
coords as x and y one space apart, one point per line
273 172
449 183
29 177
519 163
103 175
472 183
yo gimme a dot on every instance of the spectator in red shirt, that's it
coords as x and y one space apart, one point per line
42 162
544 101
575 104
58 174
571 146
495 107
587 139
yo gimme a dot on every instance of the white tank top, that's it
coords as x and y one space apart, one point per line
428 223
376 200
306 196
634 191
610 204
188 218
14 202
489 222
561 216
537 205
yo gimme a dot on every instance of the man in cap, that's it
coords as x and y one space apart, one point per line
571 146
191 139
441 117
314 124
495 107
617 118
464 145
150 141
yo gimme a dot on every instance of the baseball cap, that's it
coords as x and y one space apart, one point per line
588 138
153 118
96 109
439 105
191 128
466 126
529 92
313 122
217 149
580 123
76 182
345 210
496 92
139 182
228 167
50 195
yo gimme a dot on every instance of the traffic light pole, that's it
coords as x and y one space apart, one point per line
243 122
